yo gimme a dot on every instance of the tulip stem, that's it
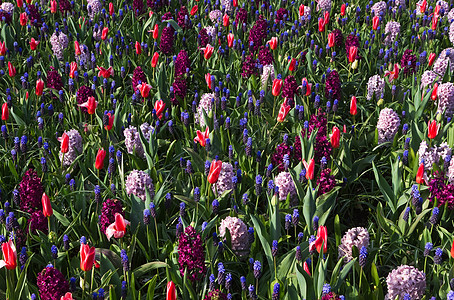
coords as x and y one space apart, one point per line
91 280
83 286
9 284
157 236
48 223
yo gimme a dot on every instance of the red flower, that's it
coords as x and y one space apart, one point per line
352 53
375 22
77 48
433 129
291 68
215 170
39 87
53 6
5 112
155 31
301 10
434 22
118 228
138 48
2 48
144 89
87 257
23 19
322 238
353 108
335 137
171 292
20 3
283 111
277 85
394 74
308 86
310 167
106 73
154 59
208 51
33 44
273 43
47 207
99 164
105 31
73 69
226 20
67 296
452 249
111 120
202 137
331 40
434 96
111 8
422 6
321 25
343 6
64 140
194 10
420 174
11 70
305 266
235 3
208 80
9 256
431 59
90 105
159 107
230 38
326 18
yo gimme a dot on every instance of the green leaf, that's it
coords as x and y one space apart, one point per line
264 240
384 188
148 267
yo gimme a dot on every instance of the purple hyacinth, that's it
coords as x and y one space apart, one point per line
31 191
191 254
110 207
51 284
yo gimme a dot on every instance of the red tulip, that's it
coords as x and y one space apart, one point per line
283 111
301 10
273 43
90 105
277 85
434 94
452 249
434 22
9 256
53 6
326 18
420 174
308 86
394 74
111 118
155 31
87 257
322 238
335 137
20 3
118 228
64 140
39 87
67 296
353 108
431 59
230 38
208 80
433 129
344 129
352 53
194 10
33 44
235 3
159 107
422 6
215 170
106 73
343 7
47 207
171 291
310 168
437 10
5 112
138 48
2 48
375 22
73 69
99 163
23 19
105 31
306 268
154 59
331 40
321 25
208 51
77 48
202 137
226 20
292 65
144 89
111 8
11 70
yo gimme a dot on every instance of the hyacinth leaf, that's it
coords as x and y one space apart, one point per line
285 265
264 240
344 273
386 190
105 279
325 203
197 161
309 61
21 282
322 268
396 175
305 283
151 287
417 221
450 132
275 220
137 207
106 265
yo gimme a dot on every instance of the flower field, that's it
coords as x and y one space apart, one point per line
226 149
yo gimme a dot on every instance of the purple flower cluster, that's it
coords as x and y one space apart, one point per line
326 182
191 254
441 191
167 37
241 16
277 159
322 145
138 75
249 66
338 37
258 33
181 16
51 283
265 57
30 191
37 221
215 295
408 62
290 87
333 84
110 207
